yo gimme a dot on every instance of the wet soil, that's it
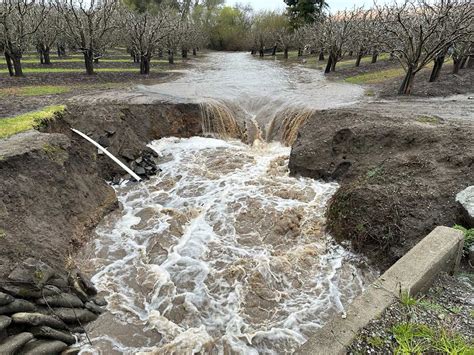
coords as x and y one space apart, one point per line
398 175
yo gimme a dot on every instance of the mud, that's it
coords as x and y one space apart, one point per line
399 176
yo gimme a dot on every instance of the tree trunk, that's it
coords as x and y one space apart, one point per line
285 53
457 61
160 53
40 51
9 64
46 56
145 64
300 52
89 61
438 64
194 52
470 63
359 58
328 65
17 64
184 53
375 55
351 53
321 55
171 56
262 53
274 51
464 61
407 84
334 58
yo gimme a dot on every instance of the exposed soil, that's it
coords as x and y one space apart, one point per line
446 306
53 188
52 195
399 176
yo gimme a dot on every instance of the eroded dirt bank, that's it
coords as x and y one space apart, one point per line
53 193
399 176
53 188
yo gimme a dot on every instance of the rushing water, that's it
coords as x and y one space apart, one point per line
222 252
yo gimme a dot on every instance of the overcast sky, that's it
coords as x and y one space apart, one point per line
280 4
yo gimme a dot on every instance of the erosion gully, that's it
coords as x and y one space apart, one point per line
223 252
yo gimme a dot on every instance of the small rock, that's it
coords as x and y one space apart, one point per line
110 131
91 306
75 315
104 141
50 333
17 306
63 300
139 160
139 170
4 322
32 271
5 299
116 180
43 347
37 319
12 344
127 154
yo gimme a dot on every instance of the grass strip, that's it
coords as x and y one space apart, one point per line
13 125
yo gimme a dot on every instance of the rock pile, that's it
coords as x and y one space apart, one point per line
41 309
144 166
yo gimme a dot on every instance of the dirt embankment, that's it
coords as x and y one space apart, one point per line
398 176
53 188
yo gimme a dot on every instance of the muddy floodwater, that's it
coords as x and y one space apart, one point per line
223 252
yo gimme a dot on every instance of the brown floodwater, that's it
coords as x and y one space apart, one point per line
223 252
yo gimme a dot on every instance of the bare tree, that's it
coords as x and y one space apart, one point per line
417 31
47 33
174 36
145 33
336 30
89 25
17 26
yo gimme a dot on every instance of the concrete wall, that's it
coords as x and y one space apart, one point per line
439 251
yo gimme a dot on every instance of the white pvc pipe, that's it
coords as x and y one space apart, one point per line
105 151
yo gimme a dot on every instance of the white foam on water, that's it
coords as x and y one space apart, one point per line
222 252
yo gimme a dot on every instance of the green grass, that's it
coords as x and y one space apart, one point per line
407 300
428 120
75 70
79 60
415 338
35 90
468 237
13 125
376 76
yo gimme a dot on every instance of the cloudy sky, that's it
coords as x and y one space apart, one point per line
279 4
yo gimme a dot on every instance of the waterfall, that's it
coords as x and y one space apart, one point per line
271 122
218 119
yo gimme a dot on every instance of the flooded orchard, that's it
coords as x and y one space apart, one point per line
222 252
